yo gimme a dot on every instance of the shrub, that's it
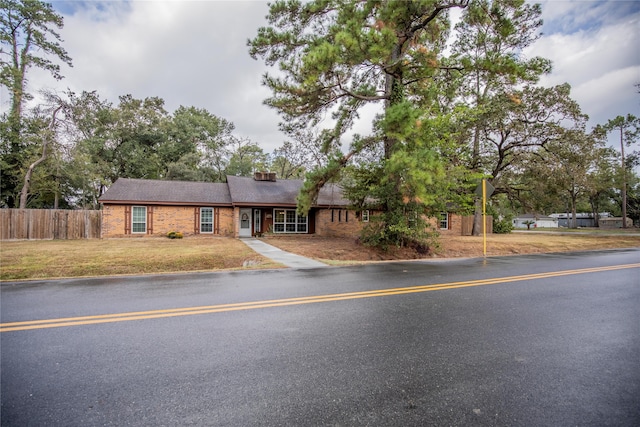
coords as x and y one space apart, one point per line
175 235
502 226
389 230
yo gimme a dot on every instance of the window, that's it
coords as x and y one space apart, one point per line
365 216
139 219
206 220
278 221
444 221
301 224
288 221
346 215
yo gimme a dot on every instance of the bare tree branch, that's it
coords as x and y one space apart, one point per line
27 178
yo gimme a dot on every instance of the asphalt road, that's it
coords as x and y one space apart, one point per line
516 341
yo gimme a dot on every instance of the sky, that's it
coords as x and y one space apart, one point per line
194 53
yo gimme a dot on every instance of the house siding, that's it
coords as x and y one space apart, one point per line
114 221
235 223
339 227
454 228
185 219
344 223
225 218
174 218
459 225
163 219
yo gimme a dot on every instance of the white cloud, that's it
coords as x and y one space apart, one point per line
194 53
611 94
185 52
594 48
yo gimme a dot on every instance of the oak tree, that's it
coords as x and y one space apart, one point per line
491 37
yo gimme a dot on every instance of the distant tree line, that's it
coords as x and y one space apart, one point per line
73 146
66 150
456 105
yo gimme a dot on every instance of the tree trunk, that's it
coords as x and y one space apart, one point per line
624 182
24 194
27 177
477 219
594 212
395 89
574 214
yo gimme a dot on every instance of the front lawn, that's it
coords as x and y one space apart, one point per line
45 259
77 258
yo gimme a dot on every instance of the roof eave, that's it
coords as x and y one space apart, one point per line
162 203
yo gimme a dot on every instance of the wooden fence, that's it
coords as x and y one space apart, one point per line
43 224
467 225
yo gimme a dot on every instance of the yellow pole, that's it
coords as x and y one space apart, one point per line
484 217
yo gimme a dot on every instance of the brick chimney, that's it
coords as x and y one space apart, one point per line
264 176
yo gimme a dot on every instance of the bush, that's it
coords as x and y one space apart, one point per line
387 231
175 235
502 226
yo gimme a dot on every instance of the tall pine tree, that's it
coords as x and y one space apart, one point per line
336 57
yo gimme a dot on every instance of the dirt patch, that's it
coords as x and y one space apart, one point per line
339 250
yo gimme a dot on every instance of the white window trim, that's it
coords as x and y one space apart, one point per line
133 208
285 223
365 215
212 221
445 220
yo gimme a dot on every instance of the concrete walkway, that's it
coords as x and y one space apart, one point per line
278 255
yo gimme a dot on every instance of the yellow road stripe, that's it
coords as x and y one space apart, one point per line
189 311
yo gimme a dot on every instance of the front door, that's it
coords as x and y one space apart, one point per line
245 222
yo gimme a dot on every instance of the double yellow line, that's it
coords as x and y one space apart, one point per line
208 309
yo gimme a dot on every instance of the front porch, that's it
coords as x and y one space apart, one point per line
255 221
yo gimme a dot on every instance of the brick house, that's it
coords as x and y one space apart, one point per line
241 207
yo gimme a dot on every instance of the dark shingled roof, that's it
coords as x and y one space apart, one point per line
247 191
239 191
127 190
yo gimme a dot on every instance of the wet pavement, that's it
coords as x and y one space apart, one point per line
503 341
